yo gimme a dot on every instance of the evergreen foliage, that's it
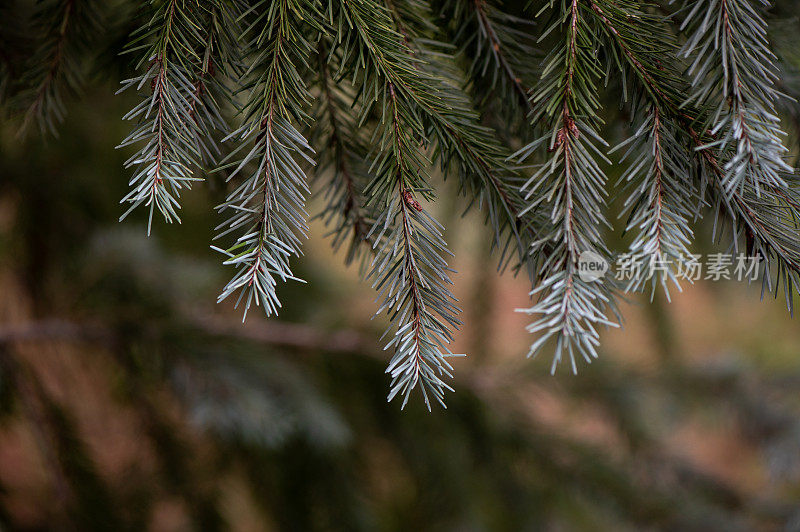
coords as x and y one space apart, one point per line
370 100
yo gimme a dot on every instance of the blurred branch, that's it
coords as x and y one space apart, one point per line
295 335
50 329
19 379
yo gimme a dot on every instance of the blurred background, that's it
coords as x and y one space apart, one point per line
129 400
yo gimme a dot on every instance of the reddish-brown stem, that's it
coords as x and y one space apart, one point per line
409 264
502 60
55 66
352 204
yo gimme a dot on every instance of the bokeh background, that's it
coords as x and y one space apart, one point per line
129 400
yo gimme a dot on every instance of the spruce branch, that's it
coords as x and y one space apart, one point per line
660 193
734 73
165 127
762 215
661 197
422 72
217 62
342 154
67 29
764 223
499 52
267 209
410 270
570 184
786 45
740 154
642 47
766 219
380 91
